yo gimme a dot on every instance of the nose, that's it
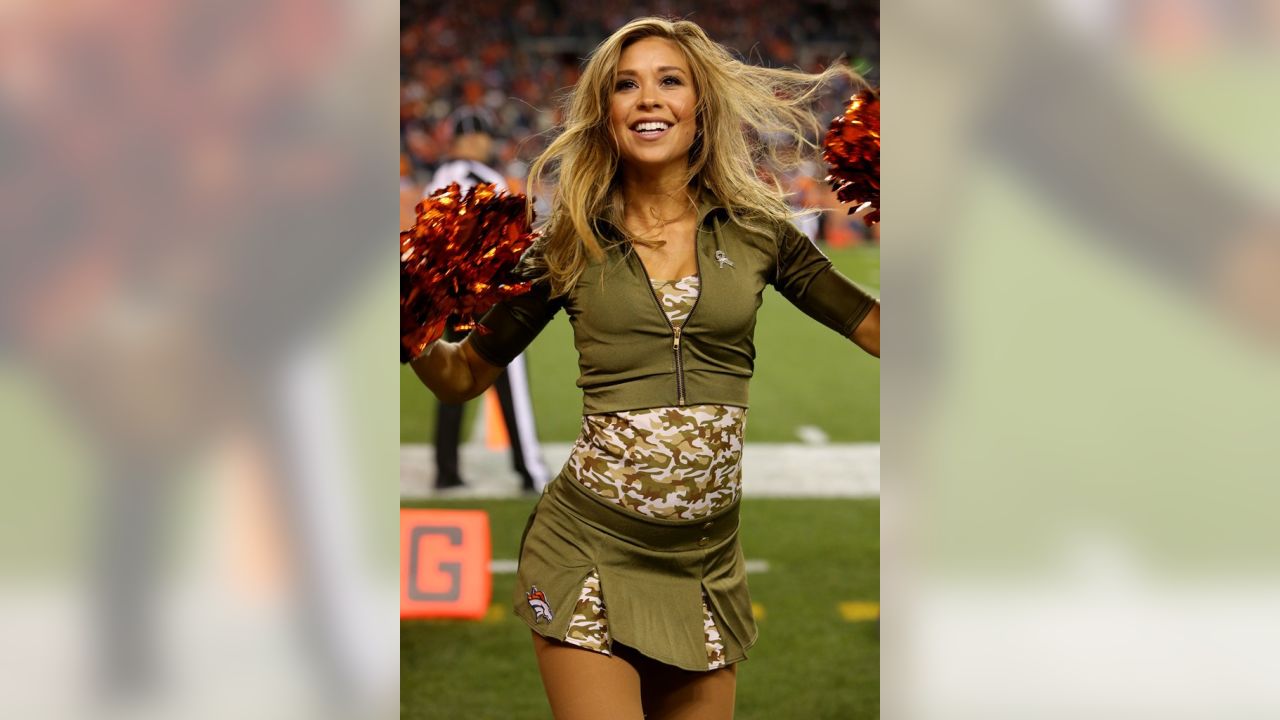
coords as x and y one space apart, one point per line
648 99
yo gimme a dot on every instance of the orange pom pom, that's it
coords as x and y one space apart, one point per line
852 152
458 260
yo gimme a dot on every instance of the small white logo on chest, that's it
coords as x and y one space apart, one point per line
723 259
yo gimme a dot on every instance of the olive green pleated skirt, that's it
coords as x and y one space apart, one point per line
653 574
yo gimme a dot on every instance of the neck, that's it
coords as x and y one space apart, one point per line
655 196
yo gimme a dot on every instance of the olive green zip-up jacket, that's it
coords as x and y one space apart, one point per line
629 355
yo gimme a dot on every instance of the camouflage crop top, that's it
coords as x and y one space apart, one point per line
677 463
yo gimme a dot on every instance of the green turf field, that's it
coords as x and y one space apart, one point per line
805 375
810 662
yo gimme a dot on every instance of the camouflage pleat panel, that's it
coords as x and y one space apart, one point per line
715 648
589 626
669 462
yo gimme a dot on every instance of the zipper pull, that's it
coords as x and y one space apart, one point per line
676 330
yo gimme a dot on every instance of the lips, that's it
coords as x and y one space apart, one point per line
650 129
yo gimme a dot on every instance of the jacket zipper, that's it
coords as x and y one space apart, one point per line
675 331
675 348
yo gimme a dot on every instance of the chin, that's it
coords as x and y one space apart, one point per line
656 160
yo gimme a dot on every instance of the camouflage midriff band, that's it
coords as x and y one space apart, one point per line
652 533
673 462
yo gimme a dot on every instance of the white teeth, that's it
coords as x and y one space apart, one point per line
651 126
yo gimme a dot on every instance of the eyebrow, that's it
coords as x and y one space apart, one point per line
664 68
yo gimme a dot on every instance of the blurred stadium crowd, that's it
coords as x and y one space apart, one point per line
517 58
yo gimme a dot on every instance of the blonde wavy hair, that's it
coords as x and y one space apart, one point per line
738 106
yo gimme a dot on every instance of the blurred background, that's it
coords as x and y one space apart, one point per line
1079 380
199 427
811 470
199 403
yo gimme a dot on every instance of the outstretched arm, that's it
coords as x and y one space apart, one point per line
867 334
807 278
454 372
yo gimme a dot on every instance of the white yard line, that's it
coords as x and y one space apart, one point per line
838 470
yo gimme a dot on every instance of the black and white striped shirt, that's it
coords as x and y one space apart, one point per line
467 173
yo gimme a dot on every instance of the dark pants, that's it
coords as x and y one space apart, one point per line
449 430
448 434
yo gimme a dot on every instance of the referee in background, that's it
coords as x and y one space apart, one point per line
472 145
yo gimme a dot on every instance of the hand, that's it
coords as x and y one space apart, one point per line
416 343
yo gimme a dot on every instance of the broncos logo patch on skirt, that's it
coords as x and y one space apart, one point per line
538 601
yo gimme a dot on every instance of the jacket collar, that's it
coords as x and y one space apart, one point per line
708 207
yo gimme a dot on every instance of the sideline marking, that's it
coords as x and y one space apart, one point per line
502 567
860 611
812 435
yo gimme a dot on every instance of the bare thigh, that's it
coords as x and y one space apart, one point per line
586 685
669 693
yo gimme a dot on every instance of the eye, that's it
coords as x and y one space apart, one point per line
624 84
671 80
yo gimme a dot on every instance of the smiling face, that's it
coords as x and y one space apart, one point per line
652 110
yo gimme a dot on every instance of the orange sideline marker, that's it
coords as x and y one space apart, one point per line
444 564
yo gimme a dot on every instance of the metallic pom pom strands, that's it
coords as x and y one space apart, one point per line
458 260
852 152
